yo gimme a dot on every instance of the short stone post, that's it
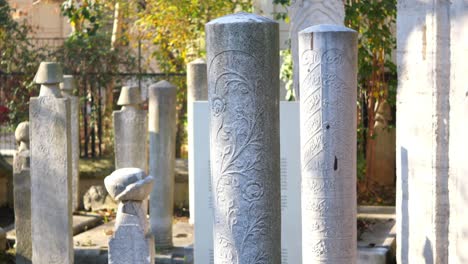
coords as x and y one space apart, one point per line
130 130
51 178
197 90
22 195
328 81
131 242
162 130
306 13
243 90
67 87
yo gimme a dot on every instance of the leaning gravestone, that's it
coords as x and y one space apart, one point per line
306 13
162 130
51 182
130 130
22 194
67 87
197 90
328 81
131 242
243 90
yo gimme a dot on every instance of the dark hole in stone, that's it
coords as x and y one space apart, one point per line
328 126
181 235
371 244
335 165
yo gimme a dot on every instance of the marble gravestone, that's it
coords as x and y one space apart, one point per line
328 81
162 130
131 242
431 142
22 195
130 125
51 170
67 87
197 90
306 13
290 184
243 91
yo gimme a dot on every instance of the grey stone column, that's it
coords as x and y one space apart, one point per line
243 90
51 175
130 242
67 87
162 130
328 83
306 13
22 195
197 90
130 126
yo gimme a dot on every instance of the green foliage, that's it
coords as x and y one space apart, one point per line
286 73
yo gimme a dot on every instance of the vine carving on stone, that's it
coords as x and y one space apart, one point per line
238 167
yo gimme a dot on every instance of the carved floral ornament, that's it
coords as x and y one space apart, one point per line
237 123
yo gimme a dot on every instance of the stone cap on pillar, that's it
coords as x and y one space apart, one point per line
68 84
22 132
129 95
326 28
198 61
129 184
163 85
241 17
49 73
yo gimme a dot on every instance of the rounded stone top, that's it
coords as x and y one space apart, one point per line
49 73
129 184
198 61
163 85
69 83
129 96
22 132
241 17
322 28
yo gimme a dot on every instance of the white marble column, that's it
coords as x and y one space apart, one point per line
67 87
328 83
197 90
306 13
243 91
130 126
22 195
162 130
51 170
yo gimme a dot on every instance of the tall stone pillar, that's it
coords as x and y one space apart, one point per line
243 91
51 170
130 126
67 87
162 130
197 89
22 194
432 106
131 241
328 83
306 13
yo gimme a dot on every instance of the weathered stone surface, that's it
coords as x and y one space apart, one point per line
162 130
97 198
197 90
432 223
243 90
51 204
328 81
306 13
22 194
130 125
131 242
67 87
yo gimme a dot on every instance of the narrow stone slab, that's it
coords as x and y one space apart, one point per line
51 182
